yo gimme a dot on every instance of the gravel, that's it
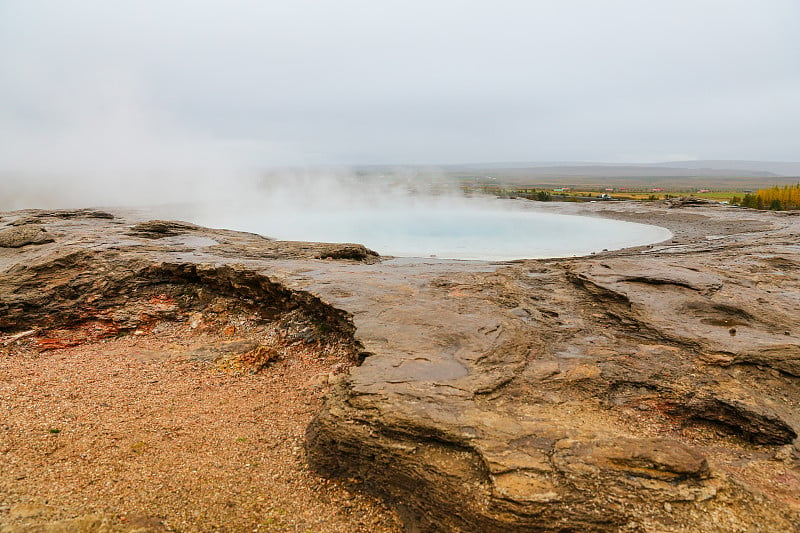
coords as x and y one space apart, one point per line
134 430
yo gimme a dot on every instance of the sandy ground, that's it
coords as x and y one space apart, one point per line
134 431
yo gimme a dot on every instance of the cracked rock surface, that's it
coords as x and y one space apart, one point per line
649 389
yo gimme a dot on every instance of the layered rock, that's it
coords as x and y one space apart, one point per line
653 389
648 390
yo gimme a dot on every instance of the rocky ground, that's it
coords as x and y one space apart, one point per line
159 375
134 398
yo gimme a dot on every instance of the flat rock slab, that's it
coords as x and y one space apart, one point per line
19 236
652 389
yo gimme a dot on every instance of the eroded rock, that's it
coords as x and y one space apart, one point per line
589 394
19 236
158 229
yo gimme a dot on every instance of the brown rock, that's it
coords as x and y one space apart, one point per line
587 394
158 229
650 458
19 236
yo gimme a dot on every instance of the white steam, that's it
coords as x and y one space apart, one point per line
100 142
402 215
103 143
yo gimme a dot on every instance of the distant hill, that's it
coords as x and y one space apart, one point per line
627 171
718 175
700 168
778 168
712 174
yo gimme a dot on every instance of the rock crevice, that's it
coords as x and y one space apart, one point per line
641 390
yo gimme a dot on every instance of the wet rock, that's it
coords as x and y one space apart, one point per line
644 331
742 415
76 214
22 221
355 252
648 458
588 394
19 236
158 229
619 275
36 216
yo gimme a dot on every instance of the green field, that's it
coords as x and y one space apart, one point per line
647 188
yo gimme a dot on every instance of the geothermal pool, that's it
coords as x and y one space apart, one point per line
497 232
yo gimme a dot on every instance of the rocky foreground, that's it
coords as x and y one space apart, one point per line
651 389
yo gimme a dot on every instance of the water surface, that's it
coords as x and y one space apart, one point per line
495 231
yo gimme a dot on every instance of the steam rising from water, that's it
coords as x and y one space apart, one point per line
398 213
102 141
109 147
406 217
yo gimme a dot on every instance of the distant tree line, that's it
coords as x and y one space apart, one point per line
532 194
775 198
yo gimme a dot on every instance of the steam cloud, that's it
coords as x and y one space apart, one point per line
101 144
104 144
157 104
111 148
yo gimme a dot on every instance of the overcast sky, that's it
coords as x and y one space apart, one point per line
116 86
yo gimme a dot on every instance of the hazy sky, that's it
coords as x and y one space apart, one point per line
123 86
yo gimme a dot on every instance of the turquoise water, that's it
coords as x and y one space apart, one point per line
492 233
